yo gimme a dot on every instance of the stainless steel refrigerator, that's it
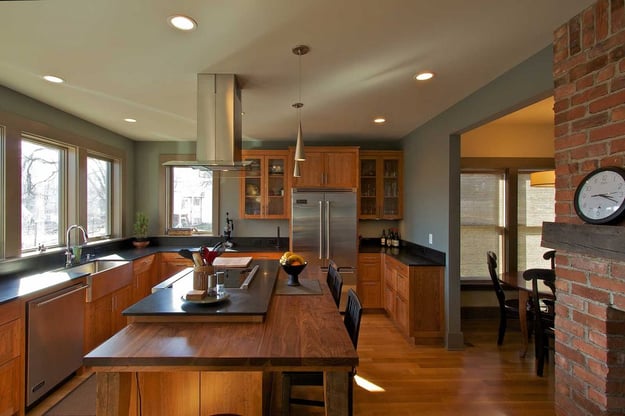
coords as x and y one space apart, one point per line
324 226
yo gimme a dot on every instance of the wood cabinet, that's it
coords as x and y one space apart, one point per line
257 255
369 285
327 167
264 187
414 300
11 368
110 293
172 263
144 276
381 185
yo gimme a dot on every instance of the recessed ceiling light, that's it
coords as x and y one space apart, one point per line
182 22
423 76
53 79
379 120
130 120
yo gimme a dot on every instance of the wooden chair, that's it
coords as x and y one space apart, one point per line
551 256
508 308
353 315
544 314
335 282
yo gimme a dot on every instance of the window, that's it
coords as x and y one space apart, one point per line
98 197
191 199
42 194
535 205
482 220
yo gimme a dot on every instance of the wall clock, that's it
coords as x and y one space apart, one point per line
600 196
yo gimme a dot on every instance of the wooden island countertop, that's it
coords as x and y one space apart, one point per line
218 367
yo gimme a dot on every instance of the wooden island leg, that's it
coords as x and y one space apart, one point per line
113 394
336 392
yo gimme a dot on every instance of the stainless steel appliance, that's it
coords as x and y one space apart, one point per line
54 339
324 226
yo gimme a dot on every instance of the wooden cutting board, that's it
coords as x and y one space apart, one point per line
233 262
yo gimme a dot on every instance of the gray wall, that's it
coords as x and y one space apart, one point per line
432 167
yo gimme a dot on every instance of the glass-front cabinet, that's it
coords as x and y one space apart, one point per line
264 185
381 184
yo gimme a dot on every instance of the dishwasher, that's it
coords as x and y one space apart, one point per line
55 325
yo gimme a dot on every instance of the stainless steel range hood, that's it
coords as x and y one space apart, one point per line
219 132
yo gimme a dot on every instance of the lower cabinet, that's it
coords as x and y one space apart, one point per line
11 368
144 277
414 300
369 285
172 263
110 295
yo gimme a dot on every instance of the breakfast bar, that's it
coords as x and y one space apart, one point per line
205 368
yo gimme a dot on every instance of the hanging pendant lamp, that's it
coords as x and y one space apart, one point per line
300 156
296 173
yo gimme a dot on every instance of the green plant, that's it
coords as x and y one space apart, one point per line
141 225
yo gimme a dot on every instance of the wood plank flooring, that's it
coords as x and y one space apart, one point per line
483 379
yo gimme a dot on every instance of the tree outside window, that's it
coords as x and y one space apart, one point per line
41 194
98 197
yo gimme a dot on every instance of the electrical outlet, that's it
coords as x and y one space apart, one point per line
430 238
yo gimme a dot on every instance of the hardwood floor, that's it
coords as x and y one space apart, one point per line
483 379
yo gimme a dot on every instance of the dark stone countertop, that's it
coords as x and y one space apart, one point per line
45 272
253 301
408 253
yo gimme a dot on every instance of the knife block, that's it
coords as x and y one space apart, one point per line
200 277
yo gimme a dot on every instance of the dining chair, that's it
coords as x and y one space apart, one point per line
508 308
551 256
335 282
544 314
352 318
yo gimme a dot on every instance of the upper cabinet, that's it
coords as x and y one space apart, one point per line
381 185
327 167
264 188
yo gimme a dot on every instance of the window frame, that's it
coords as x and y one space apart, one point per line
508 261
17 127
166 195
110 194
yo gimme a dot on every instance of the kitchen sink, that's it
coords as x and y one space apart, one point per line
96 266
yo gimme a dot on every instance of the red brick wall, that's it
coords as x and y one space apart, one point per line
589 76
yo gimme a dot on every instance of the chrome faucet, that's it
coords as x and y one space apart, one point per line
69 255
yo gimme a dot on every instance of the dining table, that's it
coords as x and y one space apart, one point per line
516 280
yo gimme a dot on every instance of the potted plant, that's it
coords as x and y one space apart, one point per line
141 230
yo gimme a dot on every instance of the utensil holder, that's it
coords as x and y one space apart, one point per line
200 277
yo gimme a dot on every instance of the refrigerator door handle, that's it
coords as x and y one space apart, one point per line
327 229
320 229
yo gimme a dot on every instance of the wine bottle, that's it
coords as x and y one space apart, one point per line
383 238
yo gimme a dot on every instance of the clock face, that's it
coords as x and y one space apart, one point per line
600 197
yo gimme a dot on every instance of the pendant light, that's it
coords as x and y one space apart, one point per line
543 179
296 173
299 144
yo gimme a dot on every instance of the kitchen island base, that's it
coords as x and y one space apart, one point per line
183 393
199 393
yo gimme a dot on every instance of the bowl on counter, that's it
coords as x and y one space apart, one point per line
293 272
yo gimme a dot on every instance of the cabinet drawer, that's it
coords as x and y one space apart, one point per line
9 340
143 264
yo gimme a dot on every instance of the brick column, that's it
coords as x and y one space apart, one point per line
589 76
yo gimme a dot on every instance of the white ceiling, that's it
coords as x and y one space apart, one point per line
121 59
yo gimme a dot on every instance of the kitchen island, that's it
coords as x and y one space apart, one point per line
191 368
